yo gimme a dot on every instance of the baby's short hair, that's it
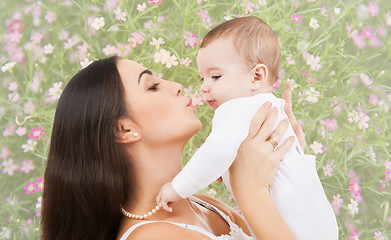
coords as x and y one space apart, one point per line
252 38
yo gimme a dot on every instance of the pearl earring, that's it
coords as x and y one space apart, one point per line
135 134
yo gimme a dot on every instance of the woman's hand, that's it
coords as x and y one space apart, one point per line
256 162
287 96
253 172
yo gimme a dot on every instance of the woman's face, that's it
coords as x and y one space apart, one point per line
156 106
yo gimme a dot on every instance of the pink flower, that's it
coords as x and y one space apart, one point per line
379 235
50 17
373 9
331 124
276 85
9 167
328 170
4 153
39 184
185 61
196 100
204 16
354 236
355 188
36 133
29 187
358 40
367 32
199 1
33 187
387 165
248 6
155 2
289 60
27 166
337 203
137 38
373 99
191 39
296 18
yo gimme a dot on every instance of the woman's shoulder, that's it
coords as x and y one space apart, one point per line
230 212
165 231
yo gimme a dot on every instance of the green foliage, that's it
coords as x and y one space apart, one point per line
343 102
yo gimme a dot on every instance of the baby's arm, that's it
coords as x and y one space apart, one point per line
230 127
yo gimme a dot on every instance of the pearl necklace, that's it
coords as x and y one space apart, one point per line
140 217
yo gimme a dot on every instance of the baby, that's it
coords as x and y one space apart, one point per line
238 62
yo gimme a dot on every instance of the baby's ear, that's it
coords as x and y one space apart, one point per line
260 74
126 131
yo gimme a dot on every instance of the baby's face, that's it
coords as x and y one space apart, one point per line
224 72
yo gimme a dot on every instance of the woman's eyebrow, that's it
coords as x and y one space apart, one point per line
147 71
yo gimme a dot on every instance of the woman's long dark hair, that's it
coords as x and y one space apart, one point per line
87 174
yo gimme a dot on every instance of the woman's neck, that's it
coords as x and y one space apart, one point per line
154 166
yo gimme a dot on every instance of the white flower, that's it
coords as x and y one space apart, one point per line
157 42
85 62
20 131
9 167
8 66
109 50
69 43
141 7
172 61
353 207
366 79
121 16
314 23
313 61
13 86
98 23
29 146
48 49
5 233
362 12
161 56
262 2
337 11
311 95
316 147
55 91
302 45
363 123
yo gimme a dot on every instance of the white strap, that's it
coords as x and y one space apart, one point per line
191 227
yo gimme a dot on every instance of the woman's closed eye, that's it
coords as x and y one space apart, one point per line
154 87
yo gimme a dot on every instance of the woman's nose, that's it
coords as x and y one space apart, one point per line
178 88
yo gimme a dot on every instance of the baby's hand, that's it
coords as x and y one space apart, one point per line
167 196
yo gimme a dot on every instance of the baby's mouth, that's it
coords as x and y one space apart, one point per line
211 103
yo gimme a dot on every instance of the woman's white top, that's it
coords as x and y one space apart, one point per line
236 233
296 191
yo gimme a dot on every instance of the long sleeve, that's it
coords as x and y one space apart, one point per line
229 128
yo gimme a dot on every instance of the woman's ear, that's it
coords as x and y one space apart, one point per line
260 75
127 131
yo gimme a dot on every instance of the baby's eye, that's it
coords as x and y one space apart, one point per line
216 77
154 87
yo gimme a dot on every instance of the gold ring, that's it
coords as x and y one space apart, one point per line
273 142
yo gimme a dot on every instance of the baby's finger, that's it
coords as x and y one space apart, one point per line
166 207
258 119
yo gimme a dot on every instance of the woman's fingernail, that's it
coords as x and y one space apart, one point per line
268 104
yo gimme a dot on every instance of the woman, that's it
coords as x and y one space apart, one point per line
118 135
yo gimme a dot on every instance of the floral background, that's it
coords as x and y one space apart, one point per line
336 52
